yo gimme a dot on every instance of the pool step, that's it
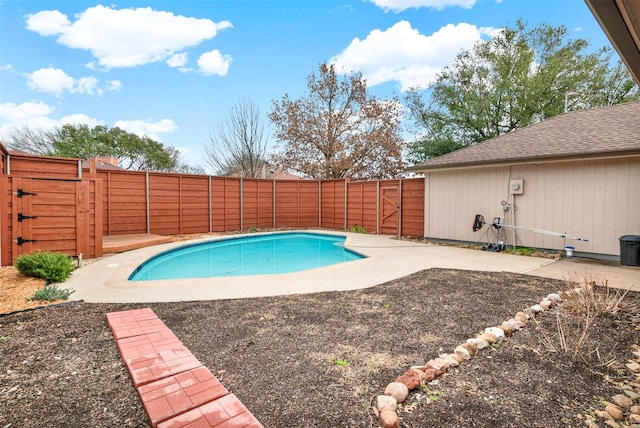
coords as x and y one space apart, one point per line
175 388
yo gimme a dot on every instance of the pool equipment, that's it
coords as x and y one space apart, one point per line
500 245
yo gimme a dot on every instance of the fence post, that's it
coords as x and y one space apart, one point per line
210 208
274 204
146 189
319 203
377 207
241 206
298 203
180 204
346 200
400 208
226 205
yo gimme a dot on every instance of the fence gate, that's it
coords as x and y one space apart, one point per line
389 204
48 215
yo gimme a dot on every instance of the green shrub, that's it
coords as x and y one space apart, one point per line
52 292
52 267
358 229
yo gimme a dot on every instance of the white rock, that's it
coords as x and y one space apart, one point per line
451 361
481 344
386 402
462 352
397 390
555 297
497 332
511 323
536 308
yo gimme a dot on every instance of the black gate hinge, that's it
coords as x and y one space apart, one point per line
21 240
22 217
20 193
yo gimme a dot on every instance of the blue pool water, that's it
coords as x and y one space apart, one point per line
250 255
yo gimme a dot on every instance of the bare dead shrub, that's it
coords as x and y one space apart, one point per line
582 304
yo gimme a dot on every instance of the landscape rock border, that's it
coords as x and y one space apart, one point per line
622 410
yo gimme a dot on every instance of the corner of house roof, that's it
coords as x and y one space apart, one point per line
606 122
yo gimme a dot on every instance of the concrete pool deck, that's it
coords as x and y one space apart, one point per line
105 280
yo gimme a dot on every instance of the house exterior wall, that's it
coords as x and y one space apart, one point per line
598 200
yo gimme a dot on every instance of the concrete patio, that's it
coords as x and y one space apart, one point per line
106 280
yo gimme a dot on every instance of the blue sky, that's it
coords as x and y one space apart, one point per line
172 69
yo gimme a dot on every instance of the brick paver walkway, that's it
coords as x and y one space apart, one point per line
176 389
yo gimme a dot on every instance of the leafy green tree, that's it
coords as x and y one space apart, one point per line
239 145
519 77
338 130
133 152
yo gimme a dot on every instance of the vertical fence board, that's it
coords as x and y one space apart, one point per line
5 221
412 202
195 204
96 219
362 205
127 203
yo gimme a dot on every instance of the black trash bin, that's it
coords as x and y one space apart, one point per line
630 250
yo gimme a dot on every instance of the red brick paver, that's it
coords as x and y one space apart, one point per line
138 346
159 365
227 412
176 389
177 394
134 323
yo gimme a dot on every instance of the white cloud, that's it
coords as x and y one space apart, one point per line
402 54
126 37
400 5
36 115
80 119
86 85
177 60
48 22
51 80
114 85
13 113
214 63
150 129
55 81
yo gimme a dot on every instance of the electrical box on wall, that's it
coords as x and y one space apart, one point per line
516 187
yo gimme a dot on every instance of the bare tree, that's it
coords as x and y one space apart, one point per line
34 141
339 130
239 145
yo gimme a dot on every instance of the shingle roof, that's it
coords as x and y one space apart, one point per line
587 133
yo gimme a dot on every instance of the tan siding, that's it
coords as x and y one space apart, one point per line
596 200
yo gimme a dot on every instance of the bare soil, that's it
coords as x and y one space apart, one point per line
59 366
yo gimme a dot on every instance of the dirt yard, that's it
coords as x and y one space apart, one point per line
320 360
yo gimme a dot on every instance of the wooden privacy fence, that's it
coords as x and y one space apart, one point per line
173 204
118 202
47 204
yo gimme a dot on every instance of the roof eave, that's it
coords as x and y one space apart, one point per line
619 32
526 160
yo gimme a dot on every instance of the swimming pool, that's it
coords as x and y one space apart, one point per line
248 255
